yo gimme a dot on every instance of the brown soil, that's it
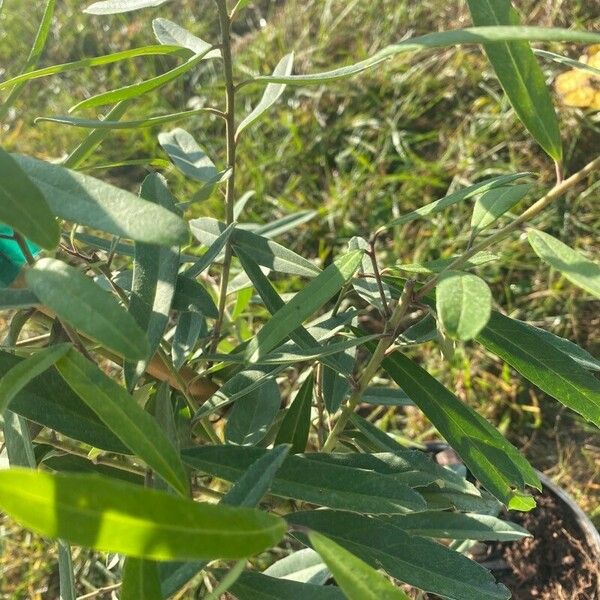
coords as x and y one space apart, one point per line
555 564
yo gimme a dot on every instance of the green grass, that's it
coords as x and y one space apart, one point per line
359 152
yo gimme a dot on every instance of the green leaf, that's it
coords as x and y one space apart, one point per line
15 299
124 417
490 457
572 264
252 415
140 580
188 330
310 299
304 478
88 201
304 565
112 516
66 573
211 254
187 155
335 381
91 62
191 295
357 579
494 203
565 60
171 34
139 89
112 7
417 561
255 586
154 278
284 224
463 194
440 264
295 426
271 94
520 75
12 382
263 251
77 300
17 439
545 365
470 35
458 526
382 396
23 206
464 304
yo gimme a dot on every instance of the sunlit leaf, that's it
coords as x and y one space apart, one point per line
112 7
171 34
494 203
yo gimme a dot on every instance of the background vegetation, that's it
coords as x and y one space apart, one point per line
356 153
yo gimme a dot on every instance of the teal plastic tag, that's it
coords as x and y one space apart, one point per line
11 257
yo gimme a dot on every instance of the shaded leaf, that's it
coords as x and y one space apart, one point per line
295 426
190 295
494 203
188 330
16 299
140 580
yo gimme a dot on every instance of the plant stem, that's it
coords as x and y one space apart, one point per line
225 25
23 247
373 365
533 211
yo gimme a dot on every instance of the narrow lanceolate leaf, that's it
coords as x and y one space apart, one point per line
295 426
88 201
80 302
306 302
140 580
22 373
441 264
188 330
304 565
458 526
358 580
262 250
463 194
23 206
565 60
17 440
214 250
188 156
490 457
49 401
171 34
66 572
112 7
494 203
119 517
520 75
317 482
470 35
578 269
139 89
252 415
154 279
190 295
544 364
124 417
256 586
464 304
15 299
415 560
271 94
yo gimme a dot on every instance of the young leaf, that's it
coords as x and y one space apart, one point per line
494 203
88 201
295 426
112 516
542 363
263 251
417 561
320 290
252 415
485 451
171 34
140 580
463 194
271 94
310 480
124 417
12 382
136 90
357 579
154 278
520 75
187 155
77 300
256 586
23 206
464 304
573 265
113 7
